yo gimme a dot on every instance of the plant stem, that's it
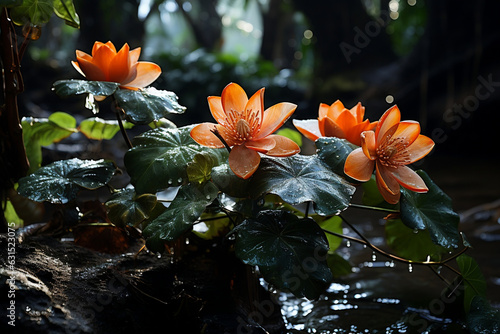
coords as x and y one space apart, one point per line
374 208
366 242
119 112
218 135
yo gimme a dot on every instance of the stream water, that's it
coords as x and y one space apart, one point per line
385 297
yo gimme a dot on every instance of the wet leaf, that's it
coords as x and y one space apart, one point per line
290 252
412 244
147 105
65 10
76 87
127 208
474 282
160 157
59 182
38 132
215 227
200 169
432 211
483 318
229 183
179 217
333 152
299 179
99 129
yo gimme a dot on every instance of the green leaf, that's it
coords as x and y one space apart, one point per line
332 224
229 183
11 215
160 157
179 217
474 282
127 208
38 132
412 244
59 182
338 265
76 87
333 152
34 12
299 179
65 10
291 134
147 105
432 211
200 169
99 129
290 252
215 227
483 318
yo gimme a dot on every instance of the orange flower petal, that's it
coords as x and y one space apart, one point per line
335 110
102 58
134 55
146 73
386 179
262 145
407 130
284 147
330 128
358 166
91 70
323 110
390 118
215 105
387 184
309 128
353 134
243 161
358 111
77 67
119 66
234 98
420 148
254 109
368 144
274 117
203 135
406 177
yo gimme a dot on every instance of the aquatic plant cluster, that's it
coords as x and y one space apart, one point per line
244 180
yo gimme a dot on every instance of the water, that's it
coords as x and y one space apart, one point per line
381 296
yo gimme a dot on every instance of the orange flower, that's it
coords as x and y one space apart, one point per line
247 128
336 121
389 149
123 66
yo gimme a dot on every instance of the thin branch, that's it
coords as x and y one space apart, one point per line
119 112
366 242
218 135
374 208
308 204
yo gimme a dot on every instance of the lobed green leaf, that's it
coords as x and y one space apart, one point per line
432 211
144 106
290 252
59 182
299 179
126 208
